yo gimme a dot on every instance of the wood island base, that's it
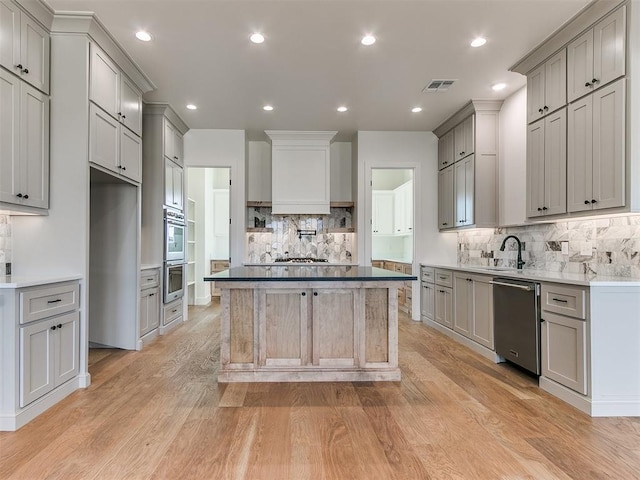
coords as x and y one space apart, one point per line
309 331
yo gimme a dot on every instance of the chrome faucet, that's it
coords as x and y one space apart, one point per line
520 262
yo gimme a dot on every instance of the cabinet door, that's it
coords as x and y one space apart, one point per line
34 54
555 163
130 155
427 301
535 168
10 35
34 147
555 82
469 136
609 47
446 198
399 207
104 82
463 139
178 184
563 351
482 319
464 191
334 337
103 139
444 306
178 146
168 140
286 333
580 155
609 146
9 134
66 349
130 106
36 361
149 310
535 94
462 304
143 314
580 66
382 212
408 206
168 183
446 150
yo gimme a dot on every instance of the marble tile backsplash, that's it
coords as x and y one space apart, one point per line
287 241
605 246
5 242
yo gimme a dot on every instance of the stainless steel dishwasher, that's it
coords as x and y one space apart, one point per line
516 308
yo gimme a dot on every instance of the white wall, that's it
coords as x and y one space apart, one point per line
417 150
512 169
340 169
258 165
223 148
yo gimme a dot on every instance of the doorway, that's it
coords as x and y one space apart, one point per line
208 214
392 225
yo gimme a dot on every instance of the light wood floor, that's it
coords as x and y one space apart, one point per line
160 414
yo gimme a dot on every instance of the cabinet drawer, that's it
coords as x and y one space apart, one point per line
427 274
149 278
398 267
566 300
219 265
47 301
444 278
172 311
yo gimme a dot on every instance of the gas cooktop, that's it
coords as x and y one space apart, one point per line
300 260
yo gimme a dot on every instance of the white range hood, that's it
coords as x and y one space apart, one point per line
300 175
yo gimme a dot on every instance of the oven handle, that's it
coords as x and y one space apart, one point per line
513 285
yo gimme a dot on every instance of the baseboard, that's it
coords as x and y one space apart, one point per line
170 326
476 347
206 300
84 380
147 338
11 423
567 395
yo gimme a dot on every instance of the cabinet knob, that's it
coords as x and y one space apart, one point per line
587 202
19 66
119 114
540 110
539 209
19 195
587 84
546 108
26 196
53 328
545 208
25 70
594 201
542 320
445 223
175 158
124 116
124 168
461 153
594 81
59 325
304 294
315 294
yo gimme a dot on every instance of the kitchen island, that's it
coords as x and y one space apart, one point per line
309 323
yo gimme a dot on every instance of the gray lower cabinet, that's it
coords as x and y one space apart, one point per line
444 306
149 316
49 355
473 308
428 301
563 336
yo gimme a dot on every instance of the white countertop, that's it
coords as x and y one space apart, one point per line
15 281
543 276
149 266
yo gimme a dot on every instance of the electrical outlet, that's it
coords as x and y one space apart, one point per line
7 268
565 248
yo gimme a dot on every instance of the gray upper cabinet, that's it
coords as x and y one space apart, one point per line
24 46
547 87
596 150
173 143
547 165
468 162
597 57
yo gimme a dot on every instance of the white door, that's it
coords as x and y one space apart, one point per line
34 147
382 212
399 207
609 146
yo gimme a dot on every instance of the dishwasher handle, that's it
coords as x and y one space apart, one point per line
526 288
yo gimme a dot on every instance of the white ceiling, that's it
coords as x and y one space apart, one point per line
312 60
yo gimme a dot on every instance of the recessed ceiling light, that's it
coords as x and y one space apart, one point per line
342 109
257 38
267 108
416 109
368 40
191 106
143 36
499 86
478 42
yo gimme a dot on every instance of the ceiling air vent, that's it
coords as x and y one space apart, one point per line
438 86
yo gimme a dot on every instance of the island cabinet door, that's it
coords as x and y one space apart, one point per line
334 327
285 333
380 329
237 349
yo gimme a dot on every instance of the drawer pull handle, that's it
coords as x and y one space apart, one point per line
151 294
174 310
560 300
149 279
55 301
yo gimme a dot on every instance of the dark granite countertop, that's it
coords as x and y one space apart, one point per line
290 273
